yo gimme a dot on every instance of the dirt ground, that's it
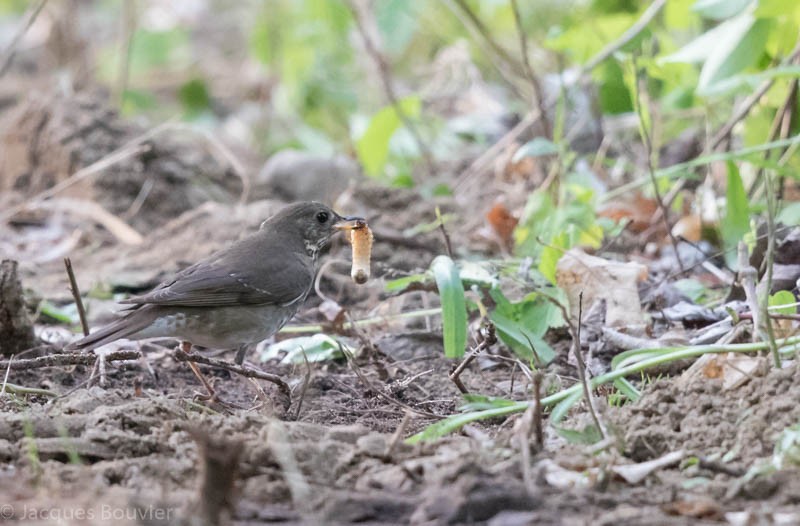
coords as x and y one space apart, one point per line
338 462
141 450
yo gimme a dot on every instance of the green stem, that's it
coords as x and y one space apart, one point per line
678 170
454 422
22 390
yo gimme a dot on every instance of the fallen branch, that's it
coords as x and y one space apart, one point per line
247 372
59 360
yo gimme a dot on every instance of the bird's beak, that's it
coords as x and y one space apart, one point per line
350 223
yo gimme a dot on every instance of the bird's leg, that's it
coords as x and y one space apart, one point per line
241 352
186 347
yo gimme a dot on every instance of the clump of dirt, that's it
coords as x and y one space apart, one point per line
47 138
700 416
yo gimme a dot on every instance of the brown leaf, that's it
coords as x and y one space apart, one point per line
502 222
701 508
713 369
638 210
689 227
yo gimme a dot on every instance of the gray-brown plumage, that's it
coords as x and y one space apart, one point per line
238 296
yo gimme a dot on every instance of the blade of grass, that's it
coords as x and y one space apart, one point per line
676 170
454 308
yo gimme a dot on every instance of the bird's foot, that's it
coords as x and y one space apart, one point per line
210 395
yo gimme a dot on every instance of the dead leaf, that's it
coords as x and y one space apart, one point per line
712 369
502 222
700 508
734 369
602 280
563 478
638 210
689 227
635 473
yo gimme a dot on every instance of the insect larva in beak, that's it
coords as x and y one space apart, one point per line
361 238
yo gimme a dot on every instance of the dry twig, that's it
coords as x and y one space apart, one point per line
647 17
538 93
304 388
8 55
447 245
247 372
489 337
397 436
58 360
76 295
388 87
587 391
361 376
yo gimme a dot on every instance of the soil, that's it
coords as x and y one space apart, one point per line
142 449
335 464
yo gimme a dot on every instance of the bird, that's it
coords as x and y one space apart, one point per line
238 296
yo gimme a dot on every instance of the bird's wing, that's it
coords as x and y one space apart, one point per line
217 283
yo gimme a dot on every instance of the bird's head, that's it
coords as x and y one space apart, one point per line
312 222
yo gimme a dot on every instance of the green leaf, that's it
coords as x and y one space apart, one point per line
627 388
453 422
397 23
59 314
317 348
538 147
474 273
478 402
736 221
699 49
522 325
562 408
752 80
725 50
136 101
522 341
403 283
720 9
739 47
158 49
789 214
551 254
194 97
454 308
587 436
692 288
373 146
780 298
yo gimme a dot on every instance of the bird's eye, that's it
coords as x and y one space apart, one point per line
322 217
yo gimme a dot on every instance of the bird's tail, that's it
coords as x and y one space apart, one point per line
123 327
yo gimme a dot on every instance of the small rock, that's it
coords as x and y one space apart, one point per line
300 176
372 445
349 434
